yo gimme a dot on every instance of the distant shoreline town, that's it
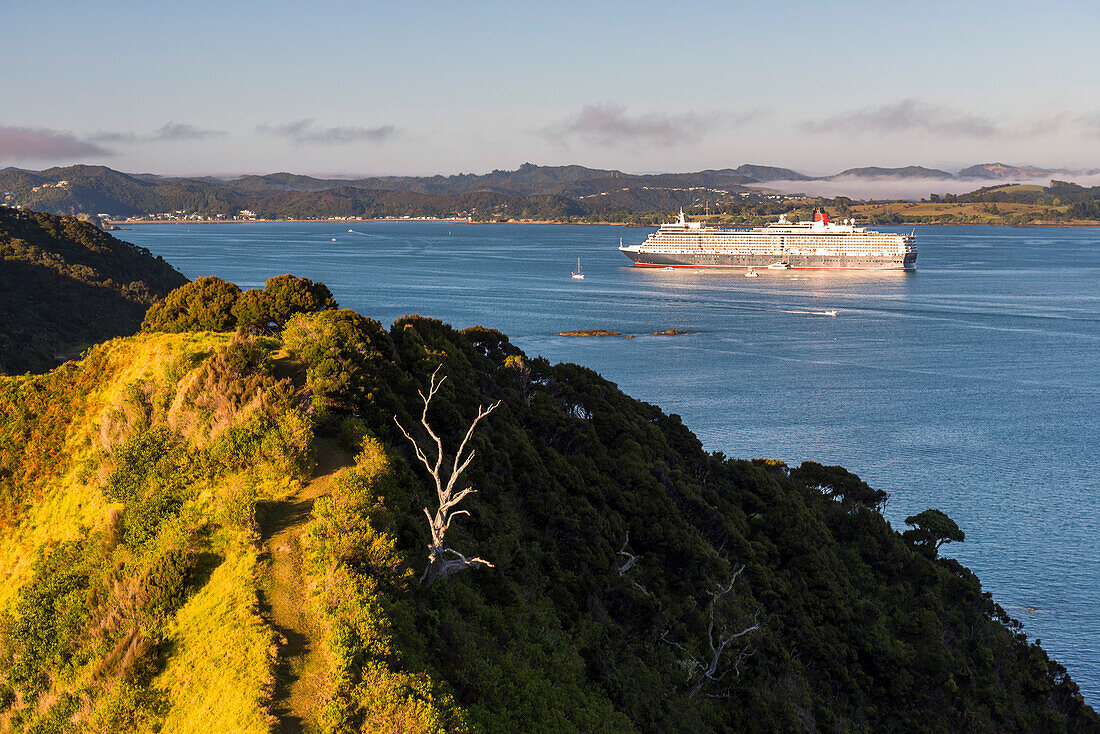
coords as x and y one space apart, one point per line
122 224
747 195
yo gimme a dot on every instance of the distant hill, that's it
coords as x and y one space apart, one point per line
1002 171
518 193
905 172
350 201
770 173
65 284
102 190
97 189
1063 200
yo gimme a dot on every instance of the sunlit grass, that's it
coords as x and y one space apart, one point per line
218 676
71 502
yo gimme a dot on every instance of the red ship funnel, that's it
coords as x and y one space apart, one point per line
821 216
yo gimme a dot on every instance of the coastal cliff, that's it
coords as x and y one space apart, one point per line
229 531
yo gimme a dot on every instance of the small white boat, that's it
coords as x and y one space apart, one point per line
830 313
579 274
751 273
333 239
351 230
779 266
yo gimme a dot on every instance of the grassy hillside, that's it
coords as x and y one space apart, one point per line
65 284
1012 213
1007 204
218 532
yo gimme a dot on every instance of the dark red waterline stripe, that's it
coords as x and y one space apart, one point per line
746 267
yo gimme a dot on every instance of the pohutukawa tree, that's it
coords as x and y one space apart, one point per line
444 561
930 530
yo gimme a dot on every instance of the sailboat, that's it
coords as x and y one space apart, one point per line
579 274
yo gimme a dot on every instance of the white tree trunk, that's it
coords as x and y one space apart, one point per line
439 522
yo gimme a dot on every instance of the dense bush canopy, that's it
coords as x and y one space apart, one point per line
205 304
65 284
858 632
212 304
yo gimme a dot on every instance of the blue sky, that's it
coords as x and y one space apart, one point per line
443 87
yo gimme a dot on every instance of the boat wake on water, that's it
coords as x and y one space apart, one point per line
811 313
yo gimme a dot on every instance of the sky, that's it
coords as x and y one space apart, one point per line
364 88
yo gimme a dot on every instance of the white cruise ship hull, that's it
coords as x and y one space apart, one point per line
906 261
816 245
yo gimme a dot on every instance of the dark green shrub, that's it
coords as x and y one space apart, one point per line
253 311
49 615
288 295
58 718
205 304
350 433
348 360
170 579
150 478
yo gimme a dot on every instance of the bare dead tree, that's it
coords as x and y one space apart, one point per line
707 668
439 565
631 559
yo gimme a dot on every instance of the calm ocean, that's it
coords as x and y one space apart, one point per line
971 385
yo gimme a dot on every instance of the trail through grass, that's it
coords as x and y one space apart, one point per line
300 687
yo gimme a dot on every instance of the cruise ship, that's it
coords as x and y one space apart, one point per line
817 245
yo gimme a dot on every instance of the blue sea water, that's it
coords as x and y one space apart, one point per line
971 385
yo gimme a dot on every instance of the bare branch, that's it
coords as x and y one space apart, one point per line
468 561
664 638
446 506
457 470
432 390
631 559
709 672
431 526
419 454
453 515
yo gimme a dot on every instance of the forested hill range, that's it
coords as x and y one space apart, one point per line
65 284
98 189
552 193
217 530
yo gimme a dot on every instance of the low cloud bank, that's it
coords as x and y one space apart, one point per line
917 116
909 115
610 124
307 131
25 143
169 132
